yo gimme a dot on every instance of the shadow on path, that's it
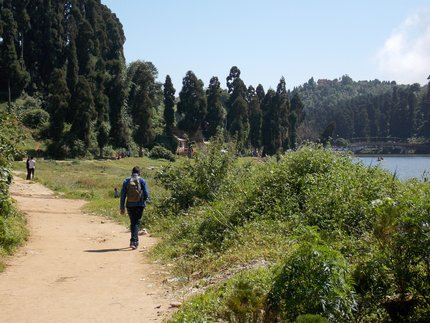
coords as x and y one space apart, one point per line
109 250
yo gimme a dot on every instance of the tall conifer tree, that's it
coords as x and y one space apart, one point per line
169 104
281 115
142 103
58 102
237 112
192 105
13 76
268 133
255 118
216 113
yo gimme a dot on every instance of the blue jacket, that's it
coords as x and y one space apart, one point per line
145 194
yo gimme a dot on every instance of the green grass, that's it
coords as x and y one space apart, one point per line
95 180
13 233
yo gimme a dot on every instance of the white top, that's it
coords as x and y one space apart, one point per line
31 163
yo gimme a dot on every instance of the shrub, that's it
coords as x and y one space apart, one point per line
34 118
12 231
240 299
199 179
314 279
311 318
327 189
395 275
159 152
12 225
376 226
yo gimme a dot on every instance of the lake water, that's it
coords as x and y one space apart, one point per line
405 166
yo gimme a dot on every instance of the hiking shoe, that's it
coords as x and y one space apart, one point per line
133 246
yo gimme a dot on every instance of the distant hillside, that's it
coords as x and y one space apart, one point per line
365 109
63 74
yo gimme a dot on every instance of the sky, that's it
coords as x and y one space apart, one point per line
388 40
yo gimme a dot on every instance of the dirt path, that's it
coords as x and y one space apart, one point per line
77 267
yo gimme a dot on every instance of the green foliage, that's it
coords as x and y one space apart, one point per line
216 111
313 279
396 274
200 179
95 180
240 299
351 241
142 100
192 105
311 318
169 104
161 152
9 138
35 118
12 224
13 232
362 109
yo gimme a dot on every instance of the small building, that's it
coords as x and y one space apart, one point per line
182 148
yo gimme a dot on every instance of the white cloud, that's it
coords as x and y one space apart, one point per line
405 56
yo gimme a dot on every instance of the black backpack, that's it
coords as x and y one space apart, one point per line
134 190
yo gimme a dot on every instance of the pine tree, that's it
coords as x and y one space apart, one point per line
425 108
142 102
169 104
58 102
294 119
50 35
82 126
120 122
101 102
13 76
260 93
255 118
192 105
216 112
282 114
268 138
237 108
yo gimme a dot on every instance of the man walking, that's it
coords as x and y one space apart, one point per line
134 194
31 164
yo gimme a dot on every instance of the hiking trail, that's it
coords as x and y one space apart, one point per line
77 267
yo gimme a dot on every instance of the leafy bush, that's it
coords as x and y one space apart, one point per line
240 299
160 152
9 137
12 225
314 279
311 318
395 275
376 226
327 189
13 231
34 118
199 179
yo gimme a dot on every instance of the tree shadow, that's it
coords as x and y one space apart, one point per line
109 250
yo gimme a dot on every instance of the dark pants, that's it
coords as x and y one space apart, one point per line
135 214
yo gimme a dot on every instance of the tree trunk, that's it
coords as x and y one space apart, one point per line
9 96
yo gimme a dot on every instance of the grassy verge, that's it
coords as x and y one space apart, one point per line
95 180
336 239
13 233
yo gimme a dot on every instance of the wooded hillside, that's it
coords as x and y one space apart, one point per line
63 73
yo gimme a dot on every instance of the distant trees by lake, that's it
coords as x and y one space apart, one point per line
65 58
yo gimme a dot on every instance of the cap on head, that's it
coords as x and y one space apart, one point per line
136 170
